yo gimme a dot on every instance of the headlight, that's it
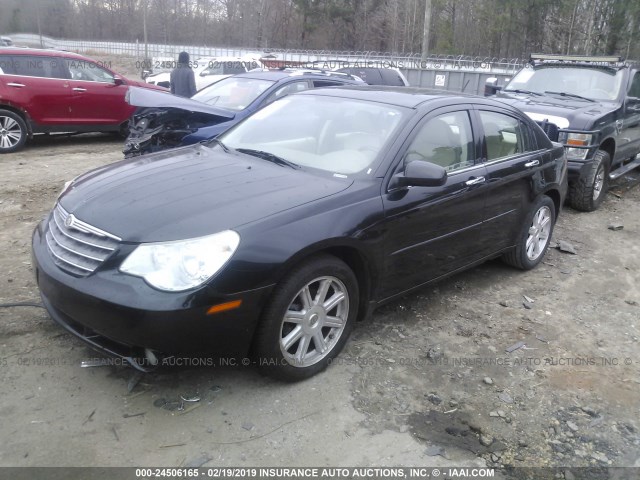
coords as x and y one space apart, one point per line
184 264
573 140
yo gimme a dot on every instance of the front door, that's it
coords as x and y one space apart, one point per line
97 98
431 231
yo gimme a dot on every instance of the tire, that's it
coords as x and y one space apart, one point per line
587 193
535 236
123 130
285 346
13 132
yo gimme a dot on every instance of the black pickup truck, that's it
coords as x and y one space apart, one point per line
592 106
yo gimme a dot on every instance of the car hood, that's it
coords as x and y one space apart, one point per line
190 192
563 111
144 97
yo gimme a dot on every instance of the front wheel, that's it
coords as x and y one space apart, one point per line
587 193
13 132
535 236
309 319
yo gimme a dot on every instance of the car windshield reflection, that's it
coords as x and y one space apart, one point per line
589 83
233 93
338 135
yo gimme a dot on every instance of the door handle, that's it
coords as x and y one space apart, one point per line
78 89
474 181
533 163
19 85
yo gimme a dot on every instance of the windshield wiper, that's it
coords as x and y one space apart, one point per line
270 157
219 142
526 92
571 95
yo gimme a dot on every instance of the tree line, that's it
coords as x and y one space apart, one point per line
493 28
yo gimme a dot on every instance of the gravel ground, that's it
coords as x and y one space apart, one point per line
428 381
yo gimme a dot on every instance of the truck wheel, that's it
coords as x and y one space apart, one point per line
587 193
13 132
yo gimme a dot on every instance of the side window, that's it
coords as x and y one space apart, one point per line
34 66
503 135
634 90
6 65
288 89
325 83
445 140
231 68
88 71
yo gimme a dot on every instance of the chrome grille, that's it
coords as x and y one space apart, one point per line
76 246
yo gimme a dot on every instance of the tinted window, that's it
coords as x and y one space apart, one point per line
234 93
289 88
503 135
35 66
445 140
7 65
325 83
88 71
231 68
391 77
368 75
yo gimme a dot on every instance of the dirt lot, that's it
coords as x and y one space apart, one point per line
427 382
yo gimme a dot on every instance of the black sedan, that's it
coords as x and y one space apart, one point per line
271 241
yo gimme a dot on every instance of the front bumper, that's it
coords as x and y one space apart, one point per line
578 168
121 315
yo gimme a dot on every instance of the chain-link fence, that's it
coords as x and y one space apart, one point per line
451 72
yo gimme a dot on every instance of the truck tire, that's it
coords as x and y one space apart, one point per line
587 193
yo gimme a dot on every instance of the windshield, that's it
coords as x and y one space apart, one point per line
338 135
233 93
596 84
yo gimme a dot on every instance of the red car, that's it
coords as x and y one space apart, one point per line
45 91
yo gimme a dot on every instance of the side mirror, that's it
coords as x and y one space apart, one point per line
422 174
117 81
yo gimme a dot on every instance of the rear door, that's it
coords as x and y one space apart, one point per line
96 97
516 172
431 231
37 84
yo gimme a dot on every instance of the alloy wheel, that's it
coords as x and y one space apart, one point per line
314 321
10 132
539 233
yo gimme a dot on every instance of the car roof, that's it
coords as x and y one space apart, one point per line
42 52
275 75
410 97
